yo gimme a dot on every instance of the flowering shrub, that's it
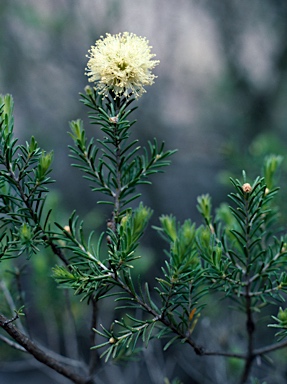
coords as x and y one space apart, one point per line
236 252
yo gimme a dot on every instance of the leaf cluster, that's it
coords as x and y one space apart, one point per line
241 255
180 288
123 342
24 176
114 163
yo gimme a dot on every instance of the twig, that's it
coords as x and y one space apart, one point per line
11 303
40 354
17 275
270 348
224 354
12 344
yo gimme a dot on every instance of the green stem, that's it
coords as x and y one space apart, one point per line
117 203
250 325
118 154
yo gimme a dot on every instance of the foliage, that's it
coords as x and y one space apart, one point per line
237 252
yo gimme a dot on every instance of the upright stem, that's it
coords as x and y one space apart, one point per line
250 325
118 173
117 142
94 357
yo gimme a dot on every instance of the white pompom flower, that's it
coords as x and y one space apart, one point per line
121 63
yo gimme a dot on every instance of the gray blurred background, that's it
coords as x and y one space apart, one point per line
220 99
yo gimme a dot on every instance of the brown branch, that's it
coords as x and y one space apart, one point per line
256 352
56 250
224 354
40 355
270 348
94 356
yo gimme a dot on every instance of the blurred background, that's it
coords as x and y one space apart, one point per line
220 99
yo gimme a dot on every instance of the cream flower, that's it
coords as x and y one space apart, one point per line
121 63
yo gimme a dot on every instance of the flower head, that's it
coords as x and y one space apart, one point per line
121 63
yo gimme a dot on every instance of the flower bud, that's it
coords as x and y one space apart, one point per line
67 228
282 315
110 225
43 168
26 233
88 90
114 119
169 225
246 187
